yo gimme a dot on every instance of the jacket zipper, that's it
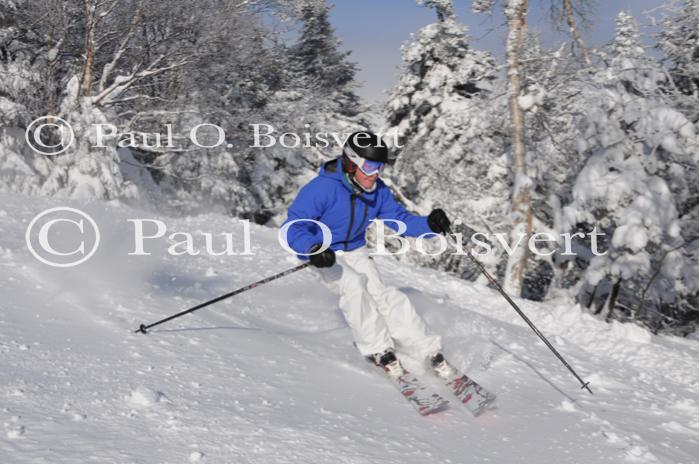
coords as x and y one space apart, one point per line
349 229
366 208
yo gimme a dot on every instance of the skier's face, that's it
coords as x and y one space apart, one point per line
367 182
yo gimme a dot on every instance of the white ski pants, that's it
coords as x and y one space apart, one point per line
377 314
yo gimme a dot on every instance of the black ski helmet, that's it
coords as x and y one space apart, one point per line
366 145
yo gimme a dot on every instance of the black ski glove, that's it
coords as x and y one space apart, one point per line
438 221
323 259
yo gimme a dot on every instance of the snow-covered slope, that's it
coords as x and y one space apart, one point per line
271 376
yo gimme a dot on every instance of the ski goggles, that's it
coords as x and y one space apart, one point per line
368 167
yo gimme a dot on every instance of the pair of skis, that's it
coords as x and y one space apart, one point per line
466 390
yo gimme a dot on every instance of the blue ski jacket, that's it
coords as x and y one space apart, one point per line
330 199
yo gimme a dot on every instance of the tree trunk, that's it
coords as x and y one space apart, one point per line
58 29
591 300
50 78
570 19
612 299
90 26
521 211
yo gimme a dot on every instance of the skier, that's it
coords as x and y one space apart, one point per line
346 196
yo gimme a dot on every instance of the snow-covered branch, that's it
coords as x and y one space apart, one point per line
109 67
124 82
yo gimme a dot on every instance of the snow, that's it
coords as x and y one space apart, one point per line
271 376
482 6
513 7
532 99
526 102
143 396
631 236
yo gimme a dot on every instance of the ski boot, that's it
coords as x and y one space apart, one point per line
441 367
388 361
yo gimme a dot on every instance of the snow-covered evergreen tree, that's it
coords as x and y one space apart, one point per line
444 113
679 41
635 188
318 58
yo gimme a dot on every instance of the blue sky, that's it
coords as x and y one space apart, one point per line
375 29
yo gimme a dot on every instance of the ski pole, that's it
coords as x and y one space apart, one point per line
491 279
144 328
